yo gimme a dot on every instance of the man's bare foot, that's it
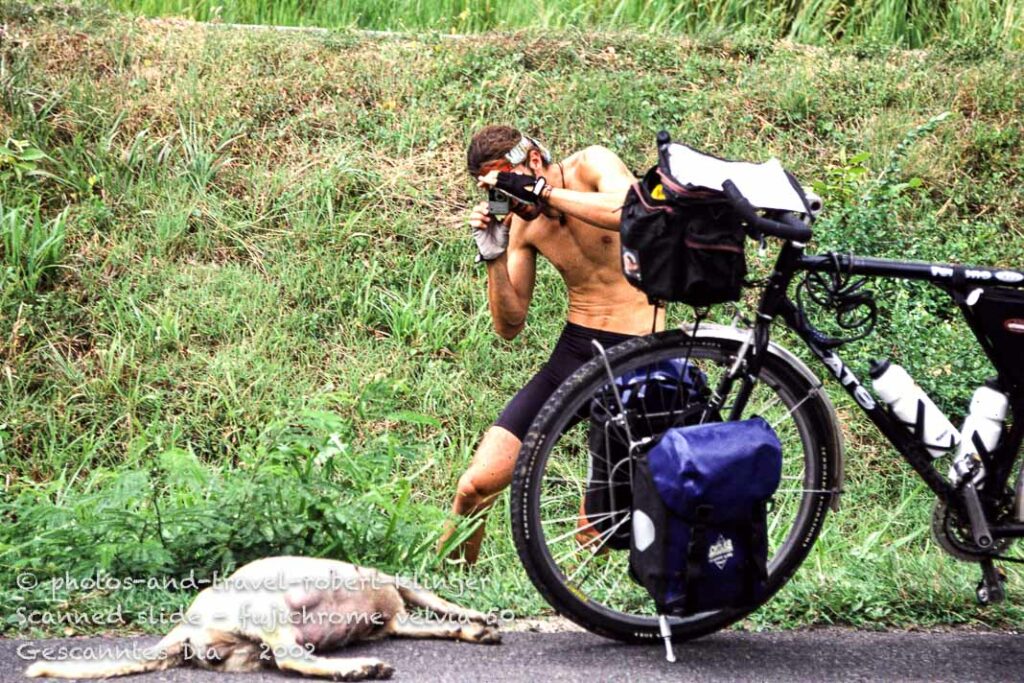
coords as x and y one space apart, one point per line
587 536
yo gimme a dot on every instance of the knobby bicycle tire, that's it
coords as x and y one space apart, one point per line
802 400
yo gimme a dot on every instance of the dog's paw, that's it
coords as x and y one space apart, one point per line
478 633
383 670
490 636
491 619
369 669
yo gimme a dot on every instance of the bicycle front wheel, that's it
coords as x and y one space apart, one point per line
579 574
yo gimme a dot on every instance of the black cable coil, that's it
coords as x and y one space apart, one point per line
836 290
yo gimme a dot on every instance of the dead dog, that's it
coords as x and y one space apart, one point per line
286 612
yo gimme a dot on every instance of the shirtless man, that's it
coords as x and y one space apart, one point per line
561 204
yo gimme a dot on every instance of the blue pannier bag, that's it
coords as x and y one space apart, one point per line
699 517
670 392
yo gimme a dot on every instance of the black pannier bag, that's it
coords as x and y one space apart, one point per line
681 239
999 324
699 520
670 393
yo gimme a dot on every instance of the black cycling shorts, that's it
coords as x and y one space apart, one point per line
572 350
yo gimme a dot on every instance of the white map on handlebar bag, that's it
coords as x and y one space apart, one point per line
764 185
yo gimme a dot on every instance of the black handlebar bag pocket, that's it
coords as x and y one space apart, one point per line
681 245
669 393
699 520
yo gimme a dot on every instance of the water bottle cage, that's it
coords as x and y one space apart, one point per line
983 453
917 428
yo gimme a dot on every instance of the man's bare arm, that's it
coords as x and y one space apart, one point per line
600 209
510 280
601 169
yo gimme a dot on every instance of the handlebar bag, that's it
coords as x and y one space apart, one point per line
669 393
681 238
680 245
998 318
699 536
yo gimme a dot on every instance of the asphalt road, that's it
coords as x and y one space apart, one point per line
818 655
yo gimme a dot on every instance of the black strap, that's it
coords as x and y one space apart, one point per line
757 563
959 289
695 557
959 277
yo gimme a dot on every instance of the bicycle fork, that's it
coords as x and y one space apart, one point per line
745 368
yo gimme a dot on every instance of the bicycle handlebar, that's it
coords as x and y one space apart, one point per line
792 229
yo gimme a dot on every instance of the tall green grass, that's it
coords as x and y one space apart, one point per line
241 317
31 250
904 23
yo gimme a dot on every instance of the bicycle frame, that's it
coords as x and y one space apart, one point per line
775 303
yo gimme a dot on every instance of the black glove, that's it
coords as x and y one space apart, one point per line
523 188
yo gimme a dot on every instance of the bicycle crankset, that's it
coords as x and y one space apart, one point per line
953 535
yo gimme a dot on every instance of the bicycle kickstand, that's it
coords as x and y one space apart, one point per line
666 635
990 588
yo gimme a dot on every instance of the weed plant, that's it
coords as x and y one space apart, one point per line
240 313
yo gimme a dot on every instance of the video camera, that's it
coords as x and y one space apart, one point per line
498 203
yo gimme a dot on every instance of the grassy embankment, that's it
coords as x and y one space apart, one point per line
905 23
239 312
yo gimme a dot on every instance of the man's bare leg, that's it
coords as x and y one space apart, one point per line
489 473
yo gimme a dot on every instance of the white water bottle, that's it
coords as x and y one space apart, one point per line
913 408
984 425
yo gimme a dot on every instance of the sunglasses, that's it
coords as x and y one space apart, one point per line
501 166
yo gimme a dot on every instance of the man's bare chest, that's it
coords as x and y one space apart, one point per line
575 248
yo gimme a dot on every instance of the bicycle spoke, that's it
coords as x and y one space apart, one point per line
555 499
598 549
791 410
574 531
599 518
579 547
576 480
